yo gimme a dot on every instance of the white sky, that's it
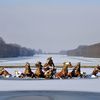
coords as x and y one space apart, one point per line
51 27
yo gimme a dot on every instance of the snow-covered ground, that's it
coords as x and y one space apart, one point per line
83 85
91 85
58 59
72 89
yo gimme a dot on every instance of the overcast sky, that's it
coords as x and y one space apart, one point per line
51 25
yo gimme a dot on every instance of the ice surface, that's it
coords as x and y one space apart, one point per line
58 59
92 85
89 85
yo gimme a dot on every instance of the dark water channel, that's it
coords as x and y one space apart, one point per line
48 95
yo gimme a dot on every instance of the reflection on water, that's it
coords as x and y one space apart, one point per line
58 59
49 95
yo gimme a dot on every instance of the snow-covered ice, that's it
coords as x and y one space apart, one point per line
58 59
90 85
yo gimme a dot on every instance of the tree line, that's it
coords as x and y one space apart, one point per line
14 50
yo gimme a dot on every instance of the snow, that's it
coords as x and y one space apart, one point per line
58 59
89 85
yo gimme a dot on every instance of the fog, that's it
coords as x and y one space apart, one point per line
50 25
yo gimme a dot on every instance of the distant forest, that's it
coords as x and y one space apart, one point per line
14 50
85 51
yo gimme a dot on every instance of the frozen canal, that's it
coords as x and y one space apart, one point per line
67 89
58 59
